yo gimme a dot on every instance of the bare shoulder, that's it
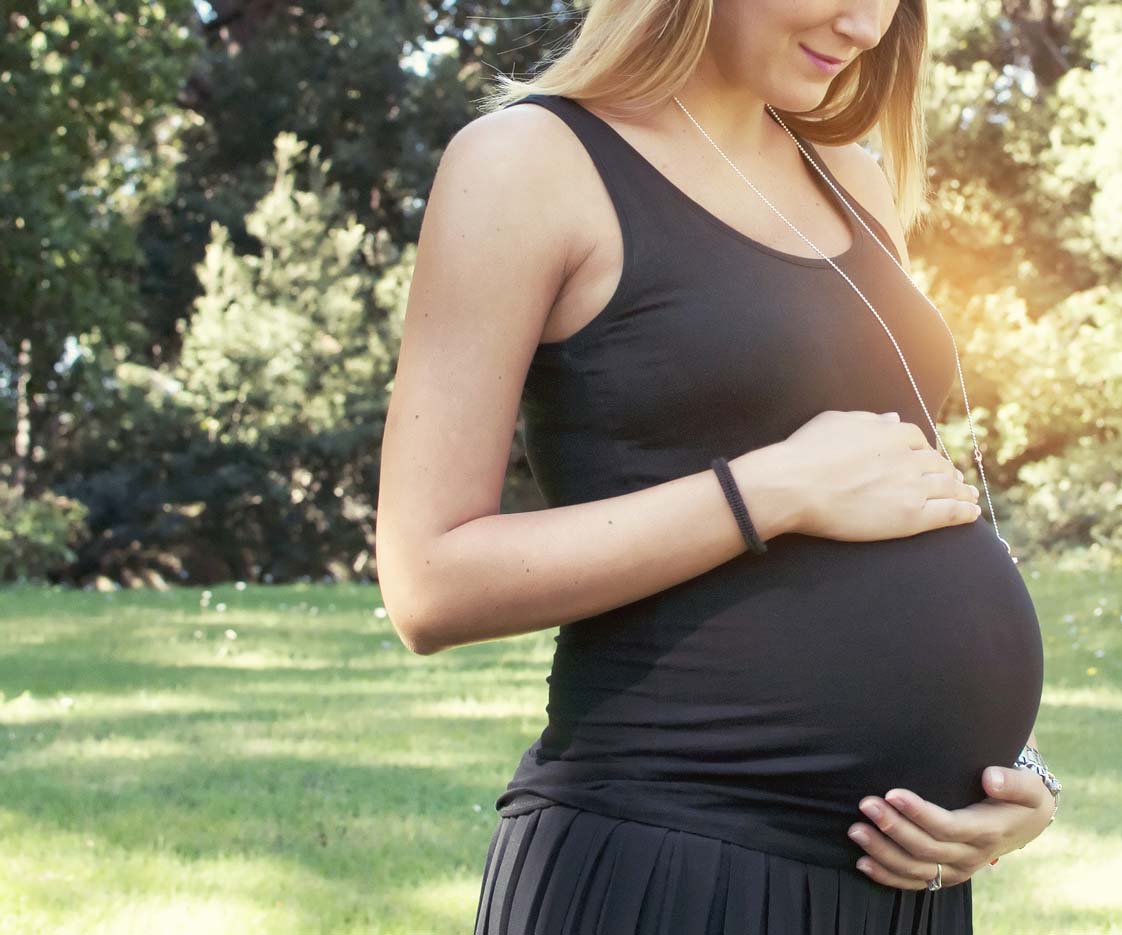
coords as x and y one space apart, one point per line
534 157
859 171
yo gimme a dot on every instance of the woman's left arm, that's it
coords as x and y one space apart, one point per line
909 835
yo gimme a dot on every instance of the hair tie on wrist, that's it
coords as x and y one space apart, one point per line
736 502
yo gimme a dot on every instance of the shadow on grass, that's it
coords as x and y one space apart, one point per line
299 748
348 824
310 745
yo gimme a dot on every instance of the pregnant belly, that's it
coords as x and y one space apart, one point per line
826 671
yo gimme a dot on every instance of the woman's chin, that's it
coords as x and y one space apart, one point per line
800 99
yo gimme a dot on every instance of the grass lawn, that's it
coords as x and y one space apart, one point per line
273 760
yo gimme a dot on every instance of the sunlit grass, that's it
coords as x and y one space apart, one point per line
284 765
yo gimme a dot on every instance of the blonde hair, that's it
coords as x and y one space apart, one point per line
627 56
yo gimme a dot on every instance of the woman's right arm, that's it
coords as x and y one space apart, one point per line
499 238
497 242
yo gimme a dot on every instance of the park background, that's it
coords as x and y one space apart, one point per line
207 721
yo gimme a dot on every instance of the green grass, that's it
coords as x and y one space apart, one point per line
305 773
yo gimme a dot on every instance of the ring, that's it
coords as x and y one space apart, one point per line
937 881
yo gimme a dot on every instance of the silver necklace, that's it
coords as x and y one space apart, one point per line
888 253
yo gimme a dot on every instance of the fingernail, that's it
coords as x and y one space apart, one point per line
871 809
997 780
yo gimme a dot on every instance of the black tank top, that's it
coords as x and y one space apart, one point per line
761 701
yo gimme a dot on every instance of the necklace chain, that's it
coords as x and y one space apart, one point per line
907 370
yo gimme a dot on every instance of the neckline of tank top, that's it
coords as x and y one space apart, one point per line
855 227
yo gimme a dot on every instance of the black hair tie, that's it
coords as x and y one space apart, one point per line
739 510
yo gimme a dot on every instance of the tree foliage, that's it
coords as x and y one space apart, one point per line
267 424
212 209
81 131
1022 256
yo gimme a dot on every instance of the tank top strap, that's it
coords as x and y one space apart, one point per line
613 158
635 195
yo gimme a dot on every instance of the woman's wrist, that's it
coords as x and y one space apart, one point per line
1031 759
770 486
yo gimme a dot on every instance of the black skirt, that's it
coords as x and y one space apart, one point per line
559 870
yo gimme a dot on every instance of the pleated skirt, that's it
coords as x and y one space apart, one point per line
559 870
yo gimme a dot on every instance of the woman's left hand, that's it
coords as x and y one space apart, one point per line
910 834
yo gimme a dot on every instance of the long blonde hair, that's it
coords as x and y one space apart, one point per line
627 56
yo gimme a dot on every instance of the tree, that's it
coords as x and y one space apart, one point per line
255 453
68 257
1022 253
278 344
353 77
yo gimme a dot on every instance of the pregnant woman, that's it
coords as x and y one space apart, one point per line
788 646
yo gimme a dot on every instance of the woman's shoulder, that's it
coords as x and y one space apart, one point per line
861 174
535 159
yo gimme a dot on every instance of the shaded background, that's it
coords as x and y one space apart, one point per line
210 212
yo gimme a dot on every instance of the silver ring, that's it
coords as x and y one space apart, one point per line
937 882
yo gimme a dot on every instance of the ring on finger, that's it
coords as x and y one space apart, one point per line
936 882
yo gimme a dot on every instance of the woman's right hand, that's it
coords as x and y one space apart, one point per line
869 476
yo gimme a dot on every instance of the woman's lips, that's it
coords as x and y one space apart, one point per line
824 65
